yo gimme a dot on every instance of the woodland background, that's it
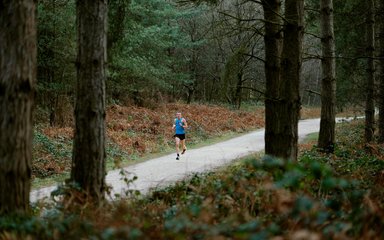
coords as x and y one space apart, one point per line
230 67
160 51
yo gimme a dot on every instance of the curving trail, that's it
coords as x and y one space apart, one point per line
165 170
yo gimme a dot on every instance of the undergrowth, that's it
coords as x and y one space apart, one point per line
136 133
321 196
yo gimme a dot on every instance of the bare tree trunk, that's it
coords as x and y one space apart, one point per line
239 87
88 163
370 49
290 79
17 87
191 87
381 56
272 40
191 90
282 104
326 139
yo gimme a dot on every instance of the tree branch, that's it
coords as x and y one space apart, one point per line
253 89
312 91
253 56
312 9
309 56
312 34
241 19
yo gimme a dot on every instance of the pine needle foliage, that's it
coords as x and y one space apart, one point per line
145 59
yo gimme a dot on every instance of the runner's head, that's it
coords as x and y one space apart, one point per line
178 115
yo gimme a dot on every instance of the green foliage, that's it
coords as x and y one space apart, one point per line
233 68
255 199
116 156
52 155
56 41
317 200
350 46
52 225
58 148
56 47
145 55
145 50
349 26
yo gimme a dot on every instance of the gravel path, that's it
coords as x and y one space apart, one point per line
165 170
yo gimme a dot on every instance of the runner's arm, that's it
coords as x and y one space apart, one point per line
185 123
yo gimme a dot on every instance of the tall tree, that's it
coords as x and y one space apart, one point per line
381 75
56 53
283 98
290 74
17 87
350 43
370 49
88 160
272 39
326 139
117 12
140 66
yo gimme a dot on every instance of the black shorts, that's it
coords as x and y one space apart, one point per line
180 136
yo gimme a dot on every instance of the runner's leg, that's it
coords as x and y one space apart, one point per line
177 140
184 147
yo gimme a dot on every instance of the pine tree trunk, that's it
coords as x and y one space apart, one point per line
326 139
282 100
17 86
381 75
370 48
272 41
239 88
290 73
88 163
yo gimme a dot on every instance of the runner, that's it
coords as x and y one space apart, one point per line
179 126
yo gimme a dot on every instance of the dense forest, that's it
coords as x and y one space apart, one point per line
79 63
169 51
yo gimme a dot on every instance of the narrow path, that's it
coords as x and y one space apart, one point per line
165 170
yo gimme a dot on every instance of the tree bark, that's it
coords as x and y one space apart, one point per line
88 162
272 40
282 102
290 79
239 88
326 141
17 87
381 75
370 49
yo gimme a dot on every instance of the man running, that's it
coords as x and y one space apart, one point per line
179 126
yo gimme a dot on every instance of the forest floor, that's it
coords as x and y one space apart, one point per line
135 134
322 196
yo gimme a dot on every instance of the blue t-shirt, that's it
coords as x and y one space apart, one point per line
179 123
